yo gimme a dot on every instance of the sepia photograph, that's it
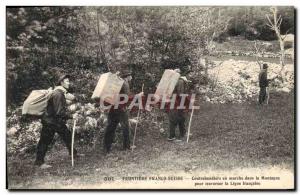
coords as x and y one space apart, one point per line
150 98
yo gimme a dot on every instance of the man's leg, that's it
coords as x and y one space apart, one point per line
66 136
172 124
112 122
46 138
262 95
125 128
181 123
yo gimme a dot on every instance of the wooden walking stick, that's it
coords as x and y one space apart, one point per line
72 145
268 95
138 118
190 122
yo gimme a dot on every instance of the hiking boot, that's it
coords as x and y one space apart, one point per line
45 166
171 138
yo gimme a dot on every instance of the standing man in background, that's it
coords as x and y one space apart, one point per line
177 117
263 83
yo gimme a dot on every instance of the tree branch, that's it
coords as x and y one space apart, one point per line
269 20
279 22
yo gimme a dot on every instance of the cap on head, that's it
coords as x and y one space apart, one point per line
184 70
125 73
61 78
265 66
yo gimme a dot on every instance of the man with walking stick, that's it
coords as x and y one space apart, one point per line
119 115
177 117
54 121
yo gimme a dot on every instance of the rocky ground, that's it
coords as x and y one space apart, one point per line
237 80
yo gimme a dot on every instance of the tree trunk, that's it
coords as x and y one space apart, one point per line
102 53
282 63
281 41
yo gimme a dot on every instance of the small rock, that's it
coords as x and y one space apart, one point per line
161 130
90 123
73 107
207 99
133 121
285 89
88 113
12 131
102 130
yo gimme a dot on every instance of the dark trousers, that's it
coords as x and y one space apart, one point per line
114 118
262 94
46 138
177 118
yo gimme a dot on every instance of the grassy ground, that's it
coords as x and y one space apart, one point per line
224 137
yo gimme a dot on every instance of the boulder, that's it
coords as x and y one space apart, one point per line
285 89
133 121
91 123
73 107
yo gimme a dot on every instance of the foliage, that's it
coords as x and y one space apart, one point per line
143 39
250 22
43 42
38 39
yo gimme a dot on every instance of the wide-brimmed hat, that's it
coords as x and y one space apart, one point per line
62 77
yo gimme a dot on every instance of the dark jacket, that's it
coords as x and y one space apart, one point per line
180 88
125 88
56 112
263 79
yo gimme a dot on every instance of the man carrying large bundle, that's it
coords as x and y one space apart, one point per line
54 121
118 115
177 116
